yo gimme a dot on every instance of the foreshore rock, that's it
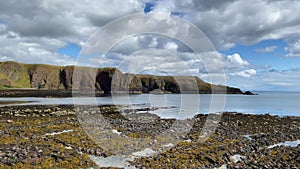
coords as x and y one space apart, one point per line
248 93
52 137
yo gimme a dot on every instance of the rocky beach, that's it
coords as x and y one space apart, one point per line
51 136
150 84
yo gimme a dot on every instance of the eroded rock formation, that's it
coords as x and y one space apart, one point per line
107 80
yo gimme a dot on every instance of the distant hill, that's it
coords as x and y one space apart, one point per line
107 80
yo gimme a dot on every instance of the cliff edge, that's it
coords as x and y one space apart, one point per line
106 80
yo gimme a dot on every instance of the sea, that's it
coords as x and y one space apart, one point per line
182 106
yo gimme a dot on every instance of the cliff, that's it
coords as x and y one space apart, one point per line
107 80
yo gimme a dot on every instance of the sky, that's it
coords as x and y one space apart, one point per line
257 43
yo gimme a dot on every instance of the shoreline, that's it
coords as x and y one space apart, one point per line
25 92
51 136
22 104
13 102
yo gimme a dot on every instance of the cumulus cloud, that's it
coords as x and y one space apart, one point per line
145 41
267 80
213 67
150 61
237 21
165 57
31 50
236 59
171 46
33 32
58 18
246 73
293 49
225 23
267 49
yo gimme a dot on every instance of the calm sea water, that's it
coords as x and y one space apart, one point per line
185 105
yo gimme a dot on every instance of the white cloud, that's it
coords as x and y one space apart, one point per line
171 46
236 59
164 6
33 32
63 18
237 21
32 50
225 23
293 49
267 49
266 80
50 24
246 73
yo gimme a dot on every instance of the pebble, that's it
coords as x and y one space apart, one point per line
10 121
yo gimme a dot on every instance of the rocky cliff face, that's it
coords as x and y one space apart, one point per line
44 77
13 74
11 70
108 80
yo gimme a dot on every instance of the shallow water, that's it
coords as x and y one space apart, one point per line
56 133
112 161
183 106
121 161
287 144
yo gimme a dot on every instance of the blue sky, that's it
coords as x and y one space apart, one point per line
148 7
275 59
258 42
71 49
